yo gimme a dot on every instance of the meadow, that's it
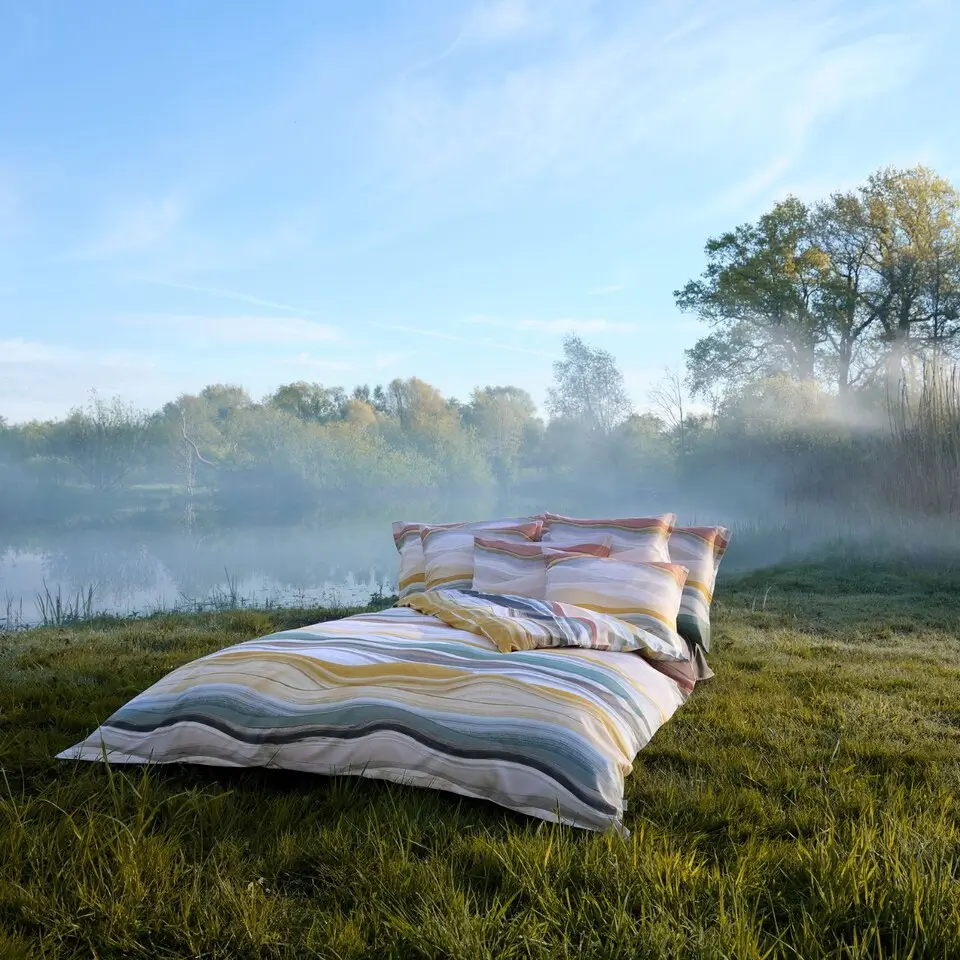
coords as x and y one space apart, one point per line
804 803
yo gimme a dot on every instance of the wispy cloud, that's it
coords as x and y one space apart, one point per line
322 363
135 227
484 342
661 75
19 350
241 330
838 78
558 326
384 360
226 295
501 21
43 380
570 325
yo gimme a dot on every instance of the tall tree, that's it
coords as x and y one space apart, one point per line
913 219
862 280
758 293
588 388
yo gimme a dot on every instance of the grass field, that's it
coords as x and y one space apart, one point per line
803 804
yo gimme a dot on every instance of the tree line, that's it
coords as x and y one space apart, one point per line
832 328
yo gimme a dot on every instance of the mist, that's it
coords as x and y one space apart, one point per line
818 418
221 500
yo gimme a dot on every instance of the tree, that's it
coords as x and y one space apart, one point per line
310 402
104 442
758 293
913 222
668 397
863 280
588 388
501 417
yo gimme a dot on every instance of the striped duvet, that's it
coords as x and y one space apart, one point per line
401 696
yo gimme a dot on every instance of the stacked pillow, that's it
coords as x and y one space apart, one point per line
644 570
448 552
520 569
406 538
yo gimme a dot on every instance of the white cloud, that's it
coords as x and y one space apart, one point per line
241 330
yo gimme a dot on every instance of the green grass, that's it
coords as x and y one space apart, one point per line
803 804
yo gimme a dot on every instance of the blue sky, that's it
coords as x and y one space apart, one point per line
247 192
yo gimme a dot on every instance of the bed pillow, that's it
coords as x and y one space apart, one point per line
448 552
406 538
645 537
700 550
521 623
646 594
519 569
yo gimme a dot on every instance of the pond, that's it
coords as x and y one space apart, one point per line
132 572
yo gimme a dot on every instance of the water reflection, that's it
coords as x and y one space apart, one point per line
133 572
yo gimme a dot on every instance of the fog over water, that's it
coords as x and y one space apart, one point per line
826 428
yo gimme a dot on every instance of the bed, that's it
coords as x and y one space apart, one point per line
537 705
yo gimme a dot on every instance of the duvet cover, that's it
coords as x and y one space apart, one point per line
425 697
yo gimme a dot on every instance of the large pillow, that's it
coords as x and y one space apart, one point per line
645 537
448 552
646 594
700 550
406 538
520 569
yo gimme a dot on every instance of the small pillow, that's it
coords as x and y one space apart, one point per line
644 594
519 569
700 549
406 538
645 537
448 553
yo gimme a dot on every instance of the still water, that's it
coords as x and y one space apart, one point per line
136 573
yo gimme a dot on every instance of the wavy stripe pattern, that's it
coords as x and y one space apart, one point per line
519 569
646 537
401 696
406 538
700 549
646 595
448 553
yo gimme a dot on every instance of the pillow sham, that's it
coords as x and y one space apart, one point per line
448 553
645 537
520 569
700 550
406 538
646 594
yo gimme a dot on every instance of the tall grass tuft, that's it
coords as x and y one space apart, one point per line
925 425
56 611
